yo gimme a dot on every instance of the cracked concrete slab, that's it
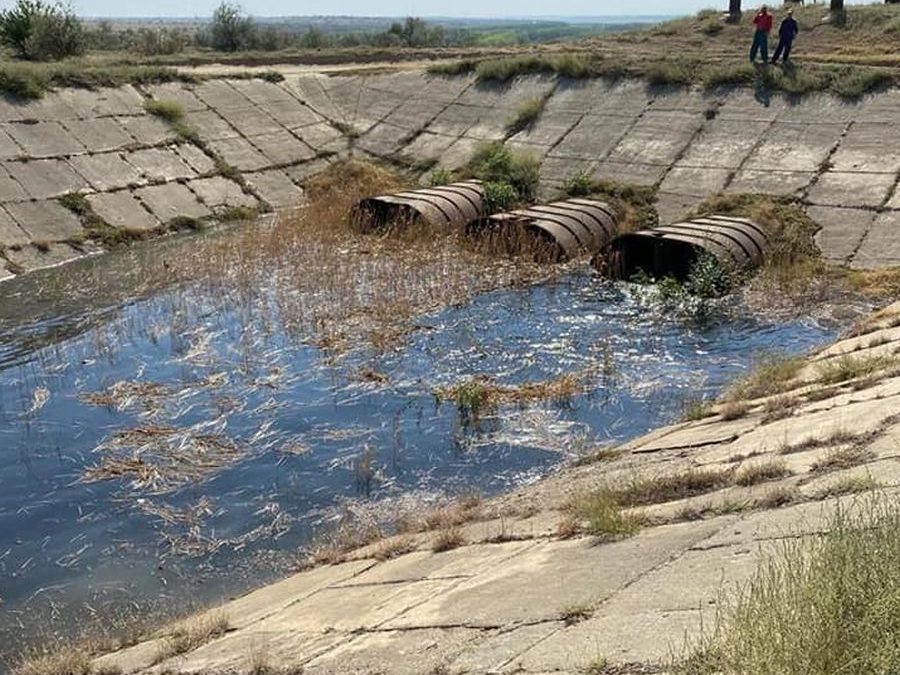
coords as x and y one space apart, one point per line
770 181
672 207
593 138
262 93
147 129
178 93
160 164
283 147
695 181
251 121
45 221
383 139
210 125
500 648
881 246
723 143
52 107
869 147
10 189
10 232
629 172
842 230
526 589
308 89
122 210
8 147
239 153
43 139
319 136
276 188
195 158
548 129
292 114
657 138
795 147
44 178
894 202
30 258
428 146
217 191
98 135
220 95
843 188
456 119
106 171
459 153
171 201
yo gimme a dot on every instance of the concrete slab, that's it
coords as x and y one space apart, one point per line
492 125
160 164
276 188
495 651
723 143
673 207
355 608
50 107
251 121
45 220
696 434
881 107
106 171
239 153
10 233
319 135
262 93
842 230
100 134
745 104
695 181
30 258
869 147
593 138
526 588
549 128
121 209
383 139
10 189
577 96
195 158
399 652
415 113
657 138
817 108
881 246
770 182
220 95
124 100
282 148
147 129
624 172
428 146
170 201
293 114
43 139
795 146
309 90
842 188
210 125
219 192
5 274
8 147
373 106
299 173
456 119
459 153
45 178
894 201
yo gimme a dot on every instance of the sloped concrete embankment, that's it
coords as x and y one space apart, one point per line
259 141
517 596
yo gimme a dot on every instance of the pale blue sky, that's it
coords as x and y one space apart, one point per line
456 8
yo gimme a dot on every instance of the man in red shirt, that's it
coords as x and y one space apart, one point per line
763 23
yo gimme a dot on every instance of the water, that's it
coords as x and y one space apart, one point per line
281 427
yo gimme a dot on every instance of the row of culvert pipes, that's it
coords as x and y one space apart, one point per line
570 228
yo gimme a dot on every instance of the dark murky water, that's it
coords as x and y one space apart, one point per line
287 425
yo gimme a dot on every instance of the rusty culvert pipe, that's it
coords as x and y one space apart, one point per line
671 250
445 207
556 231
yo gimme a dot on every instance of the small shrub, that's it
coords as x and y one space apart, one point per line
666 487
578 185
496 163
847 485
708 277
462 67
733 410
448 539
604 516
842 458
760 472
671 72
193 633
70 661
440 176
500 196
695 409
170 111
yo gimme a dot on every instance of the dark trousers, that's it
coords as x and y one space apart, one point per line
784 45
760 44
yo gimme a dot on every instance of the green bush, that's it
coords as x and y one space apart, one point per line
496 163
708 278
500 196
230 29
42 32
440 176
578 185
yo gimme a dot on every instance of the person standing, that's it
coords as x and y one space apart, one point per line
763 23
787 31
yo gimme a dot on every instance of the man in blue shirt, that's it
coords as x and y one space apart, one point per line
786 34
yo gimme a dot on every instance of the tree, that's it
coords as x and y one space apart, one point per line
42 32
838 15
231 30
734 10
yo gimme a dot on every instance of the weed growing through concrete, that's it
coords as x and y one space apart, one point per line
527 114
447 539
836 459
193 633
760 472
771 375
851 367
575 614
603 515
847 485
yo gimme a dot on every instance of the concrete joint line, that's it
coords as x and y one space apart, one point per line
418 132
756 146
826 163
400 582
681 153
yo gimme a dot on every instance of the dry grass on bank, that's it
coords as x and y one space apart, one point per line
825 604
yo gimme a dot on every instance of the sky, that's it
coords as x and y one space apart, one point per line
425 8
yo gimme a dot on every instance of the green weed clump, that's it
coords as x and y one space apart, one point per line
527 114
170 111
851 367
462 67
825 604
634 204
575 66
33 80
604 516
510 177
440 176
